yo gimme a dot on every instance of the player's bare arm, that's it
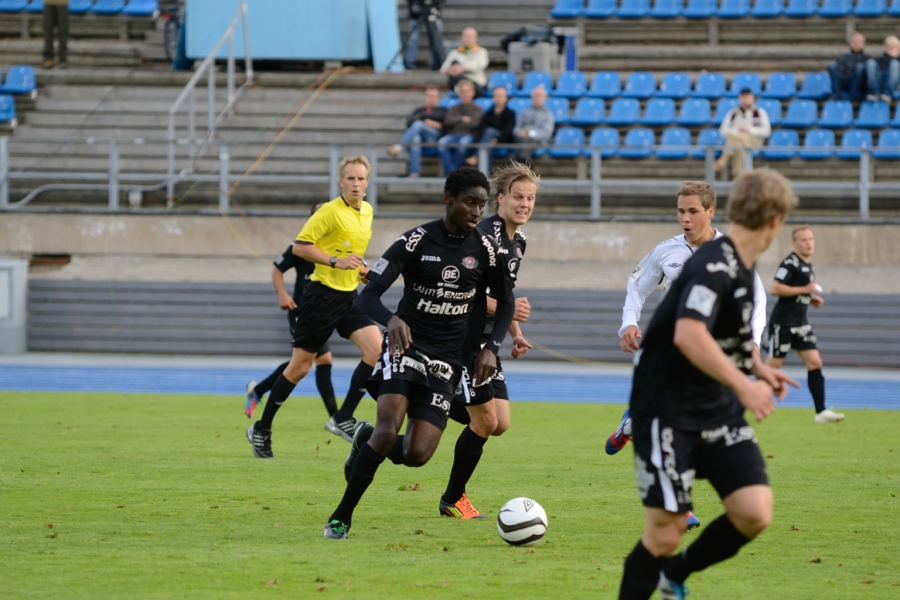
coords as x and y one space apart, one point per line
777 379
285 302
788 291
313 254
523 309
520 344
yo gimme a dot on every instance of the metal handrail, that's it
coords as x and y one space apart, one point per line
208 67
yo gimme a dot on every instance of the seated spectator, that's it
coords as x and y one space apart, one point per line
460 127
423 126
883 73
745 125
497 124
534 125
468 62
848 72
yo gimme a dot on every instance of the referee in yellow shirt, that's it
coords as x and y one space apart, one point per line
335 239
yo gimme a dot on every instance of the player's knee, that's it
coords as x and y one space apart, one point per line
814 363
323 360
294 372
484 425
663 541
500 429
383 438
416 457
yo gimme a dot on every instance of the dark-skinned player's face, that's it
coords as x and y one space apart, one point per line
464 210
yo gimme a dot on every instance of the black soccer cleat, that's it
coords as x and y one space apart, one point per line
261 440
336 530
361 426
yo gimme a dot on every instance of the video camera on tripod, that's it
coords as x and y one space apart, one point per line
424 15
425 8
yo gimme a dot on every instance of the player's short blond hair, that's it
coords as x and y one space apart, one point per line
355 160
758 196
504 178
798 229
699 188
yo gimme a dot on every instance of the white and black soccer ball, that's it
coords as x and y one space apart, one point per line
522 522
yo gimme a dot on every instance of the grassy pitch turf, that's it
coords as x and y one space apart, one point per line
156 496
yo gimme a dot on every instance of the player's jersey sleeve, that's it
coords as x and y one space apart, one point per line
383 274
702 296
641 283
785 272
496 277
758 319
287 261
320 224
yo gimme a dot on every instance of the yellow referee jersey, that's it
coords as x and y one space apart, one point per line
338 229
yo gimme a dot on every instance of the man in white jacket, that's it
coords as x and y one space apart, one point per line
468 61
745 125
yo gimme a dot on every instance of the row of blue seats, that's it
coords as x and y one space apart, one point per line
642 84
696 112
724 9
19 80
675 144
7 108
133 8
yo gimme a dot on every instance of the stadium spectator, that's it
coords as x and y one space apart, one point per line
423 126
56 15
497 124
460 127
745 126
883 73
425 14
848 72
468 62
534 125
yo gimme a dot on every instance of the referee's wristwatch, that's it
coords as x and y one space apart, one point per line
333 261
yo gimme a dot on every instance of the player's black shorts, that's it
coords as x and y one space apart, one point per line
466 392
784 337
324 310
667 460
293 317
427 383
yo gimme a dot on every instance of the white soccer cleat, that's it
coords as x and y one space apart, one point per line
829 416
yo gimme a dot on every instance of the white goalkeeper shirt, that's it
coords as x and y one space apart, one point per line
664 263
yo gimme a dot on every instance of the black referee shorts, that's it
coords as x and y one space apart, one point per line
322 311
781 338
293 317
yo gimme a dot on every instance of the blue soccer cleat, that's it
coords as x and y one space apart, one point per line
692 521
671 590
621 436
252 399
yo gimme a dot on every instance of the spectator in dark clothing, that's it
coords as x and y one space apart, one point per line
460 127
497 124
56 16
883 73
423 126
848 72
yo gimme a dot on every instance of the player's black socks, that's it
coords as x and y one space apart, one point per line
280 392
816 382
396 453
364 467
266 384
466 455
719 541
641 574
355 393
326 390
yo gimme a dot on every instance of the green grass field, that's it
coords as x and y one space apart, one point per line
105 496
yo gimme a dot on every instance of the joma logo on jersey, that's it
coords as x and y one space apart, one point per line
444 308
428 258
414 238
440 369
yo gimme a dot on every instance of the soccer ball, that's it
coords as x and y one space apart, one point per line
522 522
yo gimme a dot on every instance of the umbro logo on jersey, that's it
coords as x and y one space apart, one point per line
444 308
673 265
450 274
428 258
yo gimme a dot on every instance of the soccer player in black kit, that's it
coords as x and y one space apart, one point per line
796 289
447 266
690 391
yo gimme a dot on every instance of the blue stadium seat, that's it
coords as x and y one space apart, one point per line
894 11
869 8
633 9
600 9
694 113
560 109
588 112
7 109
640 84
141 8
835 8
659 112
79 7
12 6
607 139
745 80
851 143
767 9
873 115
675 85
571 84
800 114
639 143
667 9
624 111
800 9
734 9
19 80
836 114
707 137
710 85
783 145
773 109
895 122
448 102
35 6
674 142
781 86
605 84
535 79
818 144
567 136
486 104
108 7
505 79
567 9
816 86
888 145
700 9
722 107
518 104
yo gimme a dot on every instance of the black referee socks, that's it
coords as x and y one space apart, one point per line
356 392
326 389
816 382
469 447
364 468
641 574
719 541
